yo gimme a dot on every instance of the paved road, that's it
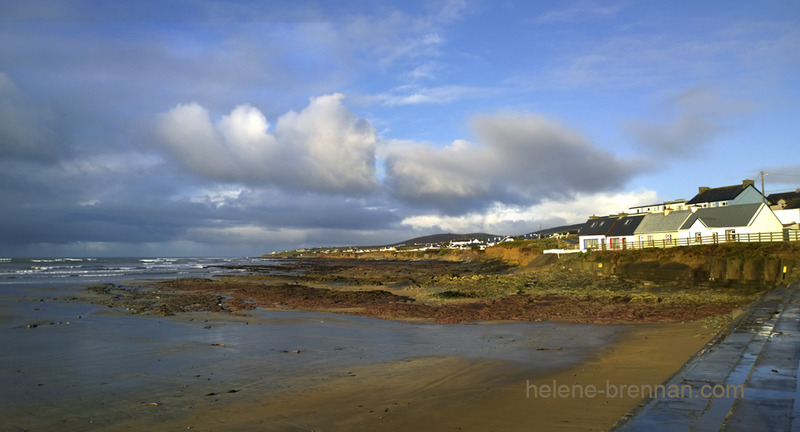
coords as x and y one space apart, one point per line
761 353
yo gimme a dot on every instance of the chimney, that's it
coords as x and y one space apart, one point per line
703 189
747 182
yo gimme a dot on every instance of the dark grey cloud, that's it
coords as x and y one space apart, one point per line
119 203
25 126
687 123
521 158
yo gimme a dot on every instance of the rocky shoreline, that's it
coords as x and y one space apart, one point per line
440 291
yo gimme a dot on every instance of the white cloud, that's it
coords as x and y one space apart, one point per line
580 13
324 147
221 196
516 219
412 94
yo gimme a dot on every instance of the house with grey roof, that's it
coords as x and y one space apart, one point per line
593 233
621 235
661 229
610 232
728 223
745 193
786 206
784 200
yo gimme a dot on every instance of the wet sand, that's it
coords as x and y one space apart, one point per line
74 366
444 394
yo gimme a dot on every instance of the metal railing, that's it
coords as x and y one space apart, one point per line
619 243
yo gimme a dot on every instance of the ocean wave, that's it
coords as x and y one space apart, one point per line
53 260
44 270
54 268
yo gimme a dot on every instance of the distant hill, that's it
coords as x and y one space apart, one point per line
445 238
559 229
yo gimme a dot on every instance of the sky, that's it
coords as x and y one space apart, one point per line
208 128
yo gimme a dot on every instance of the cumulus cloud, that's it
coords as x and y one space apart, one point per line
522 158
323 148
687 123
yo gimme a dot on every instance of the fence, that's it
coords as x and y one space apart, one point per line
644 242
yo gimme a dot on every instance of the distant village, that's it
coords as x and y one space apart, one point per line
737 213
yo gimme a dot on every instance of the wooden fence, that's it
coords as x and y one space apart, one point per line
625 243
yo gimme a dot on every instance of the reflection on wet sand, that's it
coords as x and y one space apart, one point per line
273 370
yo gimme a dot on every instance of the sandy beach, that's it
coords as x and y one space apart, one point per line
449 393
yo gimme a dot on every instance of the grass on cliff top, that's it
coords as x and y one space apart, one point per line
782 250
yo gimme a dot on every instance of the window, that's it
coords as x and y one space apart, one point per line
591 244
668 239
650 241
730 235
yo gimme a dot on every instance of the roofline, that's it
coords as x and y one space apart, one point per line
678 201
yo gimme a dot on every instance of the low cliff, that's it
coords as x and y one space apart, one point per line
767 264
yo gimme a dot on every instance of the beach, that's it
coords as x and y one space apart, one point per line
75 365
442 394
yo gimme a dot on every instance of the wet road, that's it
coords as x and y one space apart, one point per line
746 380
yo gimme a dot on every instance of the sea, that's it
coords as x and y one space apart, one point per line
63 271
60 352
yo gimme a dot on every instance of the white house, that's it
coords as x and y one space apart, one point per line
666 205
622 235
466 244
786 206
593 233
788 217
729 223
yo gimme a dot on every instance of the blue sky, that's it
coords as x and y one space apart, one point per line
238 128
